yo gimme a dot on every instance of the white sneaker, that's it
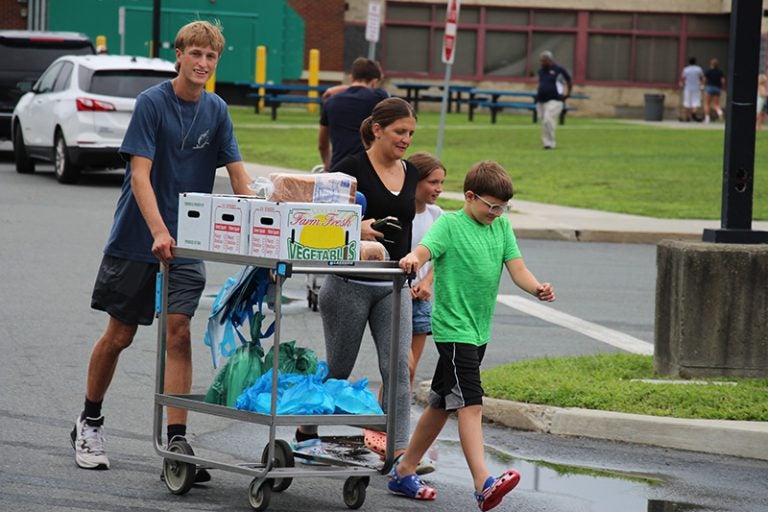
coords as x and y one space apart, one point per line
88 442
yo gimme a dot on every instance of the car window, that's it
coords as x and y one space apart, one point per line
123 83
27 56
45 84
62 81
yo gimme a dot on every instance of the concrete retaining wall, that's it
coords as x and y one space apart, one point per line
711 305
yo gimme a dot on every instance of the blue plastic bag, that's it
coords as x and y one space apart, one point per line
352 398
296 394
308 396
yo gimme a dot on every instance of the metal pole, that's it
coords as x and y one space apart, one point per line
443 109
739 151
155 29
372 51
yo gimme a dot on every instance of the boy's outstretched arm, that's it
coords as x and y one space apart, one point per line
413 261
525 280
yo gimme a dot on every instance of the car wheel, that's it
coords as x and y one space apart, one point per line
24 164
66 171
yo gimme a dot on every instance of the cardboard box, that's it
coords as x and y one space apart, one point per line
324 187
194 221
266 221
229 224
305 231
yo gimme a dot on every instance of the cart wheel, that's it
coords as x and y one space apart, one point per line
179 476
259 493
354 491
283 459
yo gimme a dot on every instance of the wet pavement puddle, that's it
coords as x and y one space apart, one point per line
584 488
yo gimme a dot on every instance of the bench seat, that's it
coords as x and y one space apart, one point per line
275 100
498 106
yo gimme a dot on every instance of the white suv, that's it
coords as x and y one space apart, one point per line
77 112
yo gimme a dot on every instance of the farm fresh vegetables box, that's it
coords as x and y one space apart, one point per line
305 231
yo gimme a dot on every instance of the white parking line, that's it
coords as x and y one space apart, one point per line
548 313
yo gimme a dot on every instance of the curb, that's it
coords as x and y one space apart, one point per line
748 439
588 235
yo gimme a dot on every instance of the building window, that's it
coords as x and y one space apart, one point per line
464 62
596 47
609 58
402 12
506 17
610 21
401 43
561 45
554 19
506 54
656 59
646 48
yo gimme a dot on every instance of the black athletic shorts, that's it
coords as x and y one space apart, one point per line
456 383
126 289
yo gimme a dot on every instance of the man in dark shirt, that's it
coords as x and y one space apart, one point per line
345 109
554 87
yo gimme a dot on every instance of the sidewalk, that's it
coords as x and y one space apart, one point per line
551 222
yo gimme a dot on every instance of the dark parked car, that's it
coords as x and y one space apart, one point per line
25 55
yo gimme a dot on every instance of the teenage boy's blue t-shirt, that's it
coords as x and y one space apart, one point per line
155 132
468 258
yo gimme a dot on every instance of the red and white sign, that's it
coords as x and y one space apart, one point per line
373 22
451 23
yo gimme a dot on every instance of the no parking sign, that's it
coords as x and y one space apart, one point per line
449 54
449 39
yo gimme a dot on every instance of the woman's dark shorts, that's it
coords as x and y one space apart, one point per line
126 289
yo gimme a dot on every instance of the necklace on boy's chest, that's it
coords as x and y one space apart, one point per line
181 119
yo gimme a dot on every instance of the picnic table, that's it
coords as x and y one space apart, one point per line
493 100
274 95
416 92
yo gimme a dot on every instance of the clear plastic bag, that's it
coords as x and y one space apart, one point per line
262 187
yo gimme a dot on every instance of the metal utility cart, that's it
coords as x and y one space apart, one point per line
276 469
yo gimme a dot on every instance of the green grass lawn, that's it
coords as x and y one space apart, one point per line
599 164
605 382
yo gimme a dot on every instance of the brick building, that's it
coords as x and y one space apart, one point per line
617 51
13 14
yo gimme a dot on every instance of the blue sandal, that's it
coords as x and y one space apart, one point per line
410 486
495 489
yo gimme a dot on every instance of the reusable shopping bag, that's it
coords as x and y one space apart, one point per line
293 359
240 299
241 371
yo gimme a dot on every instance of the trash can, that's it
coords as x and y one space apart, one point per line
654 107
